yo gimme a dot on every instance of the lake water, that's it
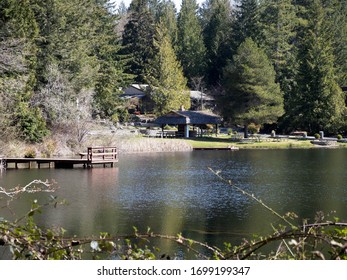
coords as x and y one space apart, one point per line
176 193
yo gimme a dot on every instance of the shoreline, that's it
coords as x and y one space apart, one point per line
56 146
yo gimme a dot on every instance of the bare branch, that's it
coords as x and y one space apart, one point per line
33 187
12 56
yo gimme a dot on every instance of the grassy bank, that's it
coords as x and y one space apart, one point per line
59 145
217 142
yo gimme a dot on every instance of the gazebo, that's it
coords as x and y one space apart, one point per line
184 119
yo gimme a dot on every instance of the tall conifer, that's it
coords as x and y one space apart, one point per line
191 49
246 22
138 39
168 84
317 102
216 18
252 95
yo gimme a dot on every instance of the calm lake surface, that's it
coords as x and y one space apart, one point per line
176 193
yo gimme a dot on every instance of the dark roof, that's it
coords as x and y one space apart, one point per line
135 90
188 117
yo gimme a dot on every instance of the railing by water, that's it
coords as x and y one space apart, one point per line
94 156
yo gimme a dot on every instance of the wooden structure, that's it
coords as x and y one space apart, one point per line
100 155
185 119
94 156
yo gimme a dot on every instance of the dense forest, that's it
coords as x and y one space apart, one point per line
281 63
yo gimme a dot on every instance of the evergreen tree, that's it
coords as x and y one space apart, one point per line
279 22
337 20
279 25
166 79
246 22
68 67
191 50
217 19
111 64
154 8
167 17
252 95
80 43
18 59
317 102
138 39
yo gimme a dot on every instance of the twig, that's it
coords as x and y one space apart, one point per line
252 196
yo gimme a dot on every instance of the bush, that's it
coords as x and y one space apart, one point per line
30 153
253 128
49 147
317 136
339 137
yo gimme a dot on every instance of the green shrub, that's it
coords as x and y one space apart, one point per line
317 136
339 137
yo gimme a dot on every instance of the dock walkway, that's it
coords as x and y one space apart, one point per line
94 156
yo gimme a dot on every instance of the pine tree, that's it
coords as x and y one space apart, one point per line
80 43
336 11
167 17
18 59
111 76
166 79
317 102
138 39
246 22
279 24
191 49
252 96
217 19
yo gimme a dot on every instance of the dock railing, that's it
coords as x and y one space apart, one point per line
100 155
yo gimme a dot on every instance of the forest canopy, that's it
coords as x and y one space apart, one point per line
68 60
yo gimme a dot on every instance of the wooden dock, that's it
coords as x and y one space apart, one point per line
94 156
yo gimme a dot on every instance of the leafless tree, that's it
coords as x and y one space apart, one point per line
63 107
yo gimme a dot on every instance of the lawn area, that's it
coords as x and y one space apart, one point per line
224 142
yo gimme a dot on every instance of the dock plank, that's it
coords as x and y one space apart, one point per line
94 156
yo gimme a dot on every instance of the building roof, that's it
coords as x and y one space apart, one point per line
139 91
188 117
134 90
195 94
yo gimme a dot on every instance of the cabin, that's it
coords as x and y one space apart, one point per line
200 101
138 101
189 123
136 97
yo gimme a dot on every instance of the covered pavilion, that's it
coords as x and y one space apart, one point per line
186 119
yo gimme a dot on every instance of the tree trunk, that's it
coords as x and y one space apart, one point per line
245 135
